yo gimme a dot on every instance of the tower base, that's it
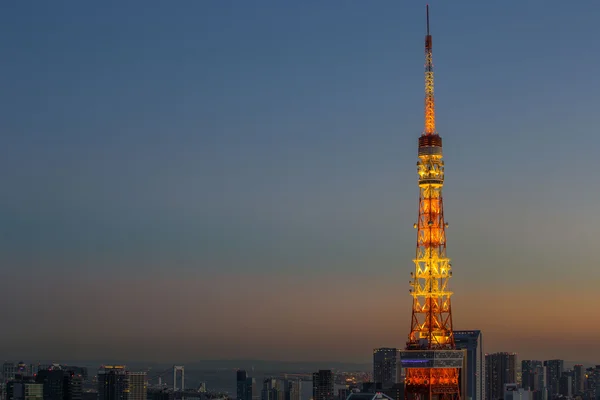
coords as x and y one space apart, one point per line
432 374
432 384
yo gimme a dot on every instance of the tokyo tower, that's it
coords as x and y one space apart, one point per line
431 362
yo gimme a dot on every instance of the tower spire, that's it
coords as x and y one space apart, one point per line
427 8
429 98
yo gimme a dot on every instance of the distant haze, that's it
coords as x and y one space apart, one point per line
219 180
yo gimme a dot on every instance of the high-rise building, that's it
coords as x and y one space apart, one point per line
9 369
74 385
24 389
590 382
595 377
565 385
272 390
112 383
137 386
278 392
267 388
240 380
60 384
292 389
578 376
554 370
323 384
472 342
512 391
244 385
500 369
53 382
386 366
532 378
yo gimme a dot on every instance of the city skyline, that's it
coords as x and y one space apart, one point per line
239 173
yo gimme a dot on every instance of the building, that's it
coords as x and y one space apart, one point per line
112 383
244 385
554 370
60 384
292 389
53 383
74 386
386 366
532 378
594 380
240 382
267 388
323 384
565 385
272 390
33 391
472 376
370 387
512 391
396 392
589 384
77 371
24 390
137 386
578 377
9 370
532 375
500 369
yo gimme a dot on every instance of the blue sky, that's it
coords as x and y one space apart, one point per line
255 148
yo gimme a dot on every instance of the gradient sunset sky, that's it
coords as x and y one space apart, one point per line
236 179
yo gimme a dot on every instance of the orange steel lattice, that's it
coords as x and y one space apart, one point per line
431 326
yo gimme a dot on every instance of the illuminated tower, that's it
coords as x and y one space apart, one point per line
431 361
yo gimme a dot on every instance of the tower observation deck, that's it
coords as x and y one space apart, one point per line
431 360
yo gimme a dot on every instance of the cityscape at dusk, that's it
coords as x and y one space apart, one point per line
210 186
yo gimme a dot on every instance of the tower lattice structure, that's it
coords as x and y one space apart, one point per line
431 361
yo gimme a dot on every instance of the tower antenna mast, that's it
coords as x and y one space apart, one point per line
429 95
427 7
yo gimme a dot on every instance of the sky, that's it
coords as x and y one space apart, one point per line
226 179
